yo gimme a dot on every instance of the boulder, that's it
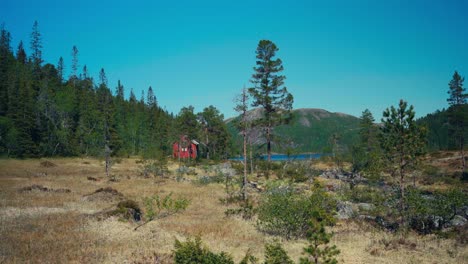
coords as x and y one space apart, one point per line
344 210
458 220
366 207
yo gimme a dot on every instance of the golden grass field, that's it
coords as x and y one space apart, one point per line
59 227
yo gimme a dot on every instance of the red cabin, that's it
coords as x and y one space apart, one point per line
185 148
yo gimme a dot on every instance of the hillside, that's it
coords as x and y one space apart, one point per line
309 130
438 134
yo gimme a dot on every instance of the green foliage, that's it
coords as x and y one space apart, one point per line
192 251
285 213
155 168
269 92
403 141
246 209
161 206
365 194
430 212
366 155
275 254
213 132
249 258
44 114
128 210
318 250
205 180
437 130
297 171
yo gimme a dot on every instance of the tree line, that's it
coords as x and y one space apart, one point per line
45 113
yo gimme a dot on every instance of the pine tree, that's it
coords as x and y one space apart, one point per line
275 254
318 250
403 141
242 108
268 91
458 114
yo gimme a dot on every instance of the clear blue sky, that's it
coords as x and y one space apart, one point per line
343 56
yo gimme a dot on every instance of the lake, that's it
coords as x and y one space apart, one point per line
284 157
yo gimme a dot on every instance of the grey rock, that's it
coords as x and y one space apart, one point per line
344 210
366 206
437 221
458 220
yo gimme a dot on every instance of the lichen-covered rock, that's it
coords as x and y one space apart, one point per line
344 210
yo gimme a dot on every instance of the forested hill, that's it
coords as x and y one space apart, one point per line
45 113
42 113
311 130
438 134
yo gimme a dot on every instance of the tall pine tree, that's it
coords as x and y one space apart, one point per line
458 114
268 91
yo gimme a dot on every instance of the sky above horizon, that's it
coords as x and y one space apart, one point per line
341 56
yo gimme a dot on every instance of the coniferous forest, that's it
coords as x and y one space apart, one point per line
46 113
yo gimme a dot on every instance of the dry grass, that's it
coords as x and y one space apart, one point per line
52 227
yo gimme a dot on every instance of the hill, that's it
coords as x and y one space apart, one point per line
310 130
438 135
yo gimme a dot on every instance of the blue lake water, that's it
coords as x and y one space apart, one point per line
284 157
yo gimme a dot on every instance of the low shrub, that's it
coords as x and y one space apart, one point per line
286 213
246 210
275 254
192 251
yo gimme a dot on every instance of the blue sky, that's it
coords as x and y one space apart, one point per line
342 56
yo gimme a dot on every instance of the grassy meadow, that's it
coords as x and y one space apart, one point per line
60 224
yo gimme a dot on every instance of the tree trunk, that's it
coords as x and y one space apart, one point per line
207 144
268 144
402 190
462 155
251 160
244 181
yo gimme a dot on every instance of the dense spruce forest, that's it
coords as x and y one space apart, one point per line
45 113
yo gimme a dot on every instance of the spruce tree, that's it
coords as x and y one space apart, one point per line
74 66
269 92
458 114
60 69
36 50
366 153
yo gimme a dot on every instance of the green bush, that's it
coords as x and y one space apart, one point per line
155 168
246 210
161 206
297 171
430 212
275 254
364 194
192 251
205 180
285 213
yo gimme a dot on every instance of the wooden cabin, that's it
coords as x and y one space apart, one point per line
185 148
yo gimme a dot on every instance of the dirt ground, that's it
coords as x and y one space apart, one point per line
52 225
